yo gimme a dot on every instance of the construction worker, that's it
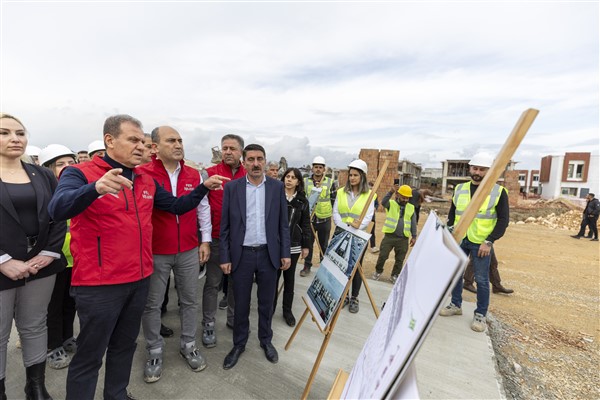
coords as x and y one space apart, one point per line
82 156
96 148
488 226
33 152
350 201
321 220
400 229
61 309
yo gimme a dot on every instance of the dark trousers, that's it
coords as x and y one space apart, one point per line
494 273
253 263
372 239
61 311
399 245
289 277
323 230
357 280
110 318
592 222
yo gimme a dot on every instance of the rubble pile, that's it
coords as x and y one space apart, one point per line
571 220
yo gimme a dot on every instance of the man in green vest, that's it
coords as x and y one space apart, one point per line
321 218
488 226
400 229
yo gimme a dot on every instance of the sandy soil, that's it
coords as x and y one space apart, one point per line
546 335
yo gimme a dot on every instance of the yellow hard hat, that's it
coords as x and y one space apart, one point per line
405 191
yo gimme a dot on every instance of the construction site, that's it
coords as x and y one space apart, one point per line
546 334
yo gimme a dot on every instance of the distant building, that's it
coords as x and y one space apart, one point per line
528 180
570 175
457 171
432 173
409 173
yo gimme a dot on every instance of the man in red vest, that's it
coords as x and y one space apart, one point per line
175 247
232 168
110 205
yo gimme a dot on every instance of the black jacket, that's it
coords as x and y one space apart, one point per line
51 234
299 222
593 208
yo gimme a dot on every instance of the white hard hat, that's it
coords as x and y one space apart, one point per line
32 150
482 160
319 160
52 152
359 164
96 145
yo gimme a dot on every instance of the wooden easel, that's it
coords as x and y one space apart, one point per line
328 331
460 230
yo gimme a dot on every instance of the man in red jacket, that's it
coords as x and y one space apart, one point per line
231 167
110 204
176 247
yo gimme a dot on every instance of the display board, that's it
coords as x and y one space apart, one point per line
429 274
325 292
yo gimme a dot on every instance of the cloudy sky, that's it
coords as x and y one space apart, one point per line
435 80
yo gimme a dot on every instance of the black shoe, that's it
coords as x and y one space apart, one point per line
232 358
165 331
289 318
129 396
576 236
589 236
470 288
223 303
270 352
502 289
594 240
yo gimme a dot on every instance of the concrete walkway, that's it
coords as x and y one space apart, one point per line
454 361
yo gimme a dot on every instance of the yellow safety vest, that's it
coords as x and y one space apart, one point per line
350 214
323 208
486 217
392 215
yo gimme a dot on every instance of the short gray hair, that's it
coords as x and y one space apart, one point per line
112 125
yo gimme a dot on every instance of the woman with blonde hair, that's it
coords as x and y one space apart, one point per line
30 255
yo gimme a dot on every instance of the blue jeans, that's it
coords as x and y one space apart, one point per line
109 318
481 266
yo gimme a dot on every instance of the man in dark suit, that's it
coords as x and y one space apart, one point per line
254 242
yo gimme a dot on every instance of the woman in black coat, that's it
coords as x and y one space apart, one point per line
30 255
300 237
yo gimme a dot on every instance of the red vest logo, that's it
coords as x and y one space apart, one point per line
146 195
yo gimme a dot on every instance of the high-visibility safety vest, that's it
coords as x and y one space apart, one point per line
486 217
350 214
323 208
392 215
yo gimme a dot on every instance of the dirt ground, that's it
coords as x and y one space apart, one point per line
546 335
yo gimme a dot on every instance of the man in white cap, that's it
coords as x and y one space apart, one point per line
33 152
488 226
321 218
96 148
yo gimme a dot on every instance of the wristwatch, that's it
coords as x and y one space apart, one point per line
488 242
